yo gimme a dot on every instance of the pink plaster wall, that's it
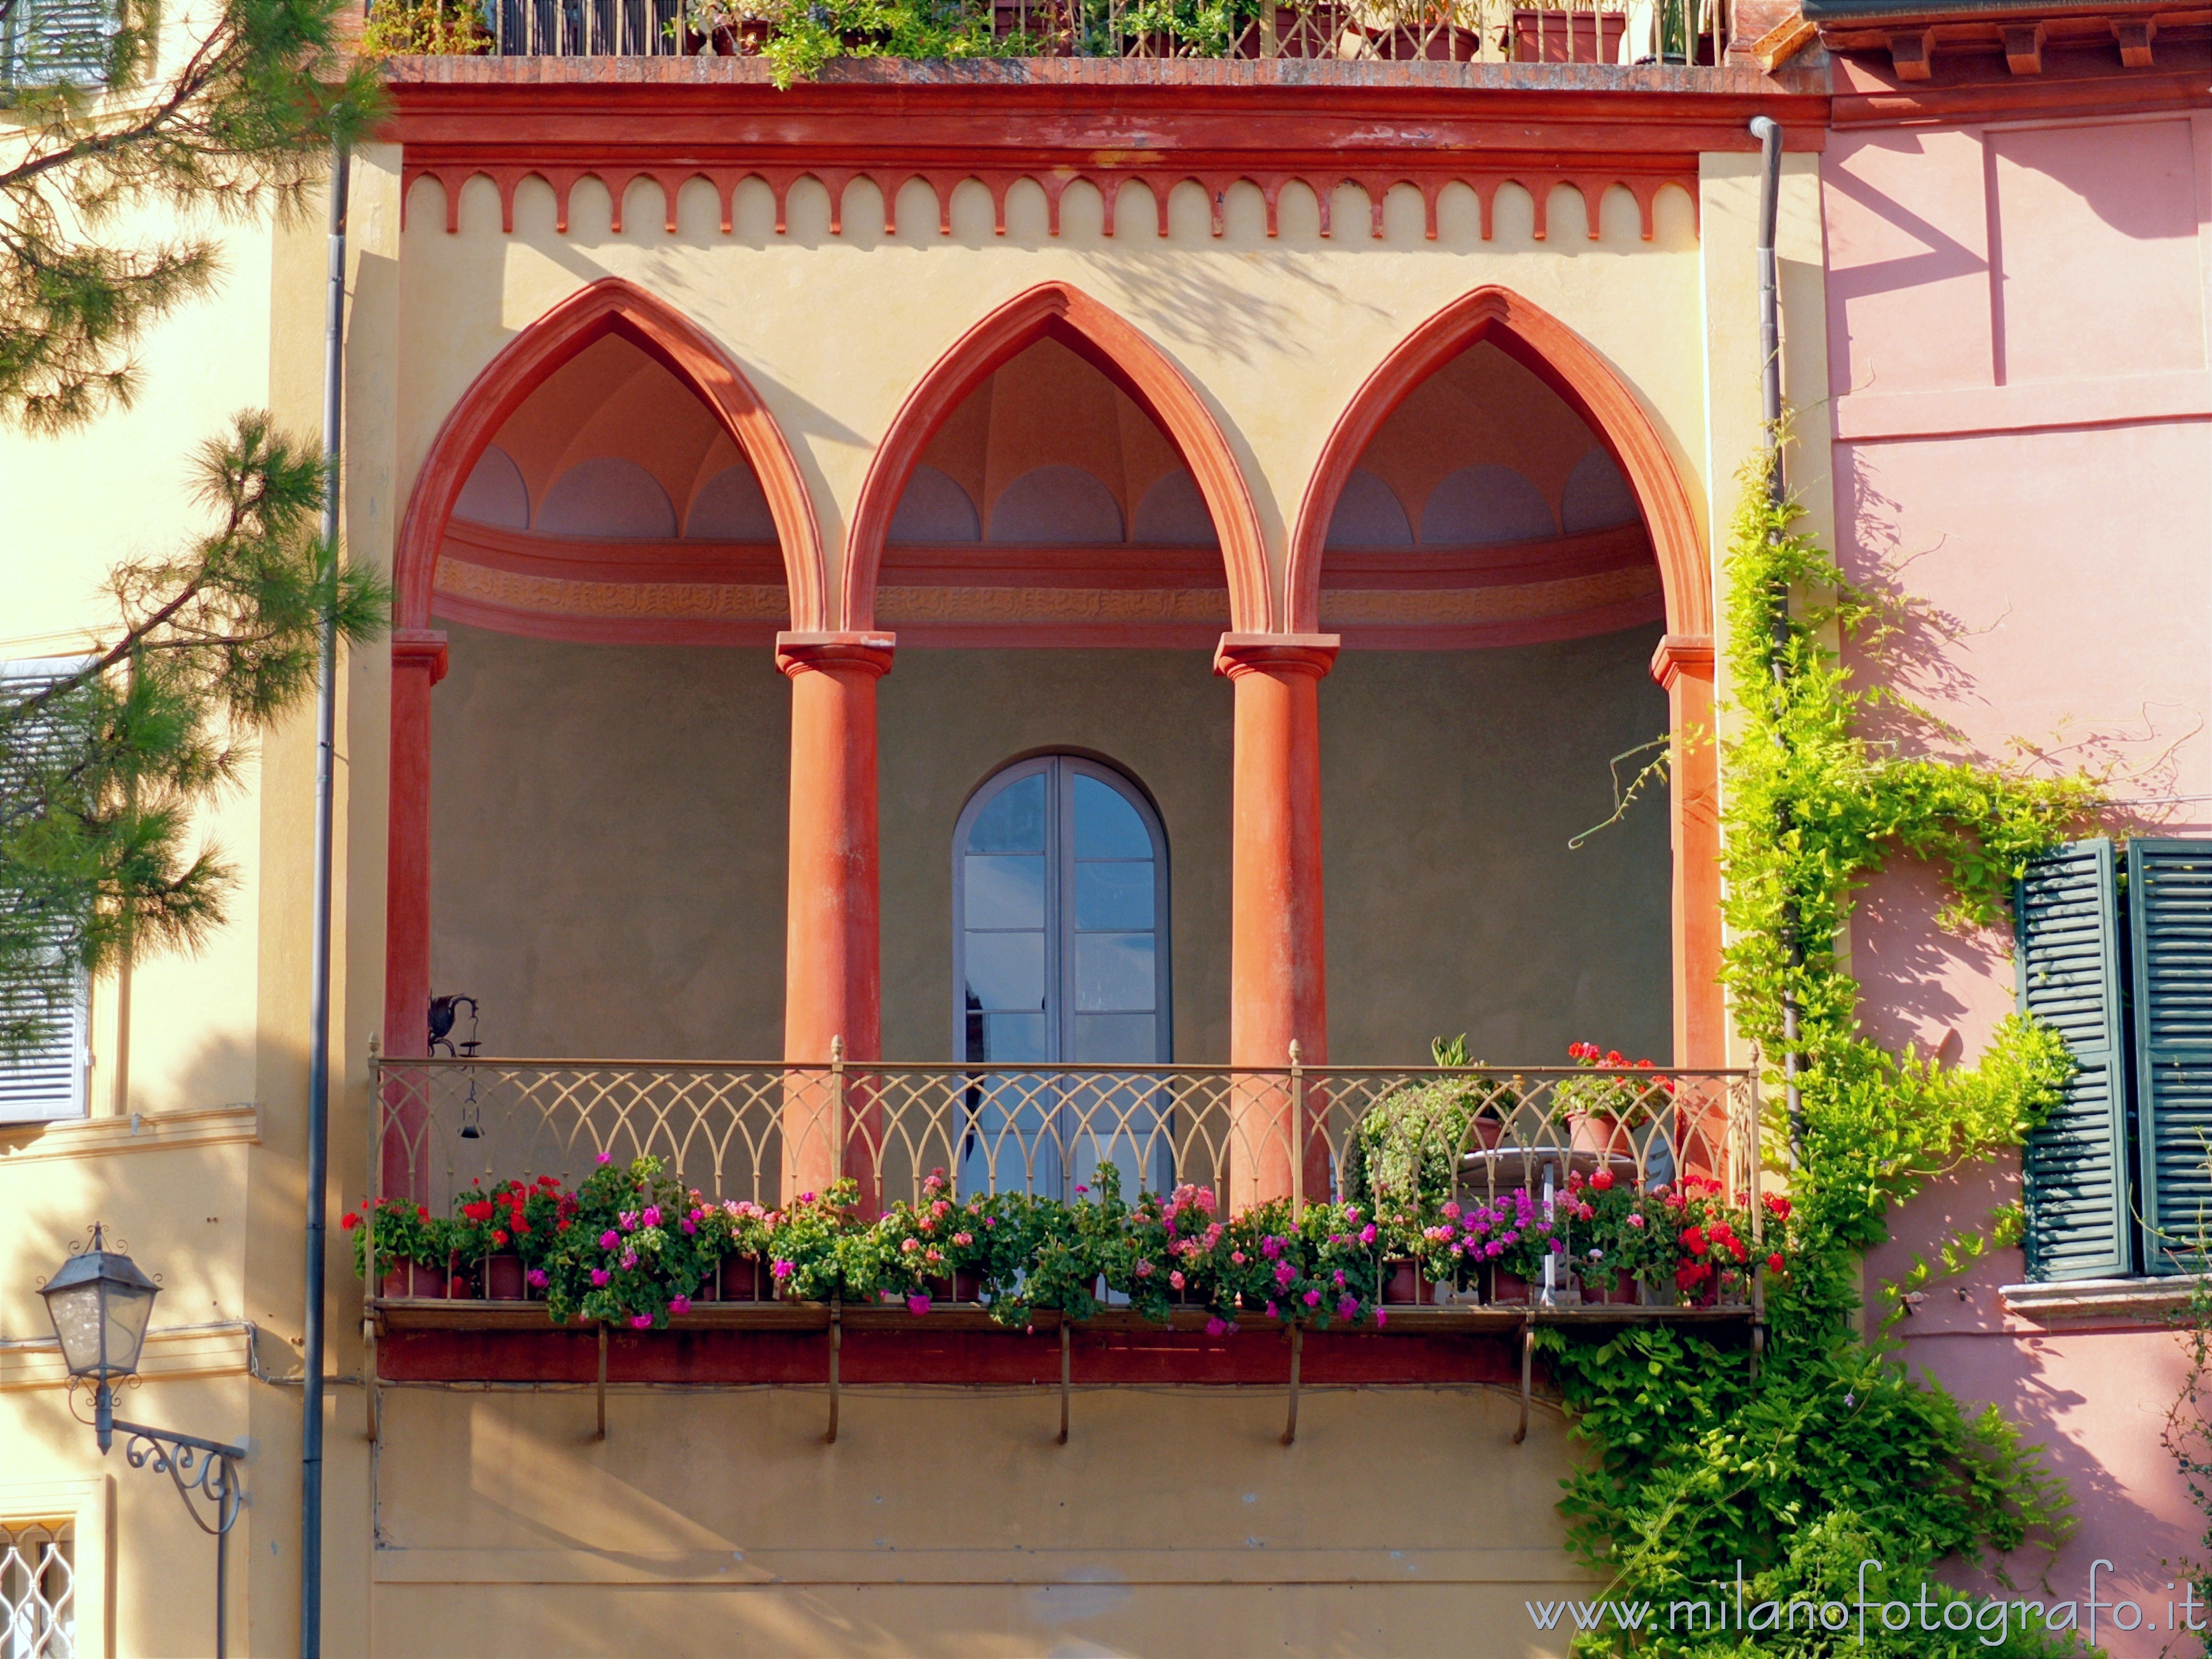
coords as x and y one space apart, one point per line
2017 336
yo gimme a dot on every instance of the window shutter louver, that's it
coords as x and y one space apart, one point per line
2170 898
47 1080
57 42
2079 1222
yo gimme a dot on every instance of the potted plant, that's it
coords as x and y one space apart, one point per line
1176 1246
1604 1109
412 1249
1401 1163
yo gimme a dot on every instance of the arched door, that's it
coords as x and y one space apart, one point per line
1061 961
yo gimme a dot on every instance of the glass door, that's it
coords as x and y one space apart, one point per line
1060 960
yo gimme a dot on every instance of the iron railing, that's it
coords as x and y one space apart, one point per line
1450 31
764 1134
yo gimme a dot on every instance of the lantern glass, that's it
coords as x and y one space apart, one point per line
100 1305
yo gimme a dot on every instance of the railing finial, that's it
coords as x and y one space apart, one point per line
1295 1053
836 1051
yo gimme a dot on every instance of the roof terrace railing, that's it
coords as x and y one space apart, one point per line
1446 31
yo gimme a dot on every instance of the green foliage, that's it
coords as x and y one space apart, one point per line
798 37
102 768
221 112
427 29
1830 1452
630 1246
1401 1163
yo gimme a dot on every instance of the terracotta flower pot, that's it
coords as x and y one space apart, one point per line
1508 1290
709 1288
413 1281
960 1287
502 1278
1404 1284
742 1278
1616 1288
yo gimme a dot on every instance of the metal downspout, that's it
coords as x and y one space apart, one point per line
318 1000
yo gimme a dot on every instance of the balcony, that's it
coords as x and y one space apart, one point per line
1461 1141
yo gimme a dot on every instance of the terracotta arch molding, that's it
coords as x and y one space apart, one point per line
1556 355
1061 311
610 305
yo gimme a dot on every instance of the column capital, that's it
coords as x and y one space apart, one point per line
1282 654
1683 653
420 648
870 653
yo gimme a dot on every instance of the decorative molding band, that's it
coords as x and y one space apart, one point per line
491 596
1273 1566
555 596
1523 602
616 175
1966 411
222 1348
141 1132
1053 122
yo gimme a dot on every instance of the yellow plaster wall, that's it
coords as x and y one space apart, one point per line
947 1522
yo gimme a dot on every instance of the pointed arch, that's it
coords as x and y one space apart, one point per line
1556 355
1061 311
1684 662
610 305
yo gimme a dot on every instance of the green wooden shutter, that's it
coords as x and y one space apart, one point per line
2079 1222
2170 898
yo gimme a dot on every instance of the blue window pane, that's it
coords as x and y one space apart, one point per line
1013 1038
1113 973
1011 821
1113 896
1117 1040
1106 825
1005 891
1006 972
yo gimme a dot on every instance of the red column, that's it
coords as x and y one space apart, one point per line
418 662
1684 664
833 950
1278 991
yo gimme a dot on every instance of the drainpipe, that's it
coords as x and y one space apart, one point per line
319 999
1768 131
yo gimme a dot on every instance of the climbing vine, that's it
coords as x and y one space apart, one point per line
1829 1454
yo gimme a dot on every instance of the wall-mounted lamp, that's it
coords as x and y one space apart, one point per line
100 1303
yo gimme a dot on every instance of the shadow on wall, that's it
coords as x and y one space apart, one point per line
2094 1400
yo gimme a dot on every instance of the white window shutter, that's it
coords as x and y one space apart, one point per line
45 1082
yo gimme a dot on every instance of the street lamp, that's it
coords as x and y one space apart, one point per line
100 1303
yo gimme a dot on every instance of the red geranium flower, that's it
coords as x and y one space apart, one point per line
1774 1262
348 1222
1693 1239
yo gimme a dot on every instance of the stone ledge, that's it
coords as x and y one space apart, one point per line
141 1132
2145 1299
